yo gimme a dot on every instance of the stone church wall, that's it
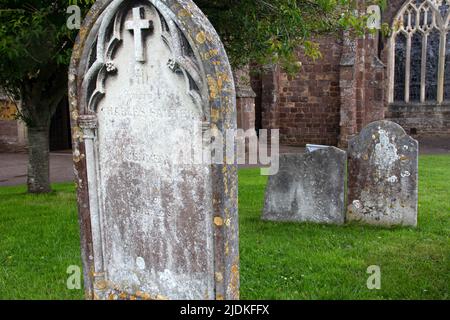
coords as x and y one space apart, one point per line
12 132
304 107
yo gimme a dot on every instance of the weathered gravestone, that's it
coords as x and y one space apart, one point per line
145 75
308 187
382 177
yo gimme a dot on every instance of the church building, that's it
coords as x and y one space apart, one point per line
404 77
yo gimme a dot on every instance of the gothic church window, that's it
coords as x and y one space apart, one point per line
420 53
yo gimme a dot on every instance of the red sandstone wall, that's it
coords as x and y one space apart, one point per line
305 107
8 136
309 104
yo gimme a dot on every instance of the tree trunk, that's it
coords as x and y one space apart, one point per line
38 163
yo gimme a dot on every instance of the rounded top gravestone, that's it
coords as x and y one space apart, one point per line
147 79
383 176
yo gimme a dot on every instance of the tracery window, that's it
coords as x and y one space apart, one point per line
419 62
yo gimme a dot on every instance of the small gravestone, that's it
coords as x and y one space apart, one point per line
383 176
146 77
308 187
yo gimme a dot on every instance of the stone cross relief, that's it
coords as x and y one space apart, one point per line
136 25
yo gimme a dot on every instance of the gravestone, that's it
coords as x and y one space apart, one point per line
308 187
383 176
147 79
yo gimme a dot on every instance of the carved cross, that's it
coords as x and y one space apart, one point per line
136 26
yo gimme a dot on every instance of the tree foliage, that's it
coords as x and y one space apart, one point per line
270 31
35 48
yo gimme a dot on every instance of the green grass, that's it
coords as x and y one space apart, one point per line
39 240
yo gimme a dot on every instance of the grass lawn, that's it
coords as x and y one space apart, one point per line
39 240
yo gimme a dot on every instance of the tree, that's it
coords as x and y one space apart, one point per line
35 48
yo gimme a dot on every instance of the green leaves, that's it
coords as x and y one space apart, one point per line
271 31
31 38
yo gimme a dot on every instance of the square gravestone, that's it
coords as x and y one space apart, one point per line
146 78
383 176
308 187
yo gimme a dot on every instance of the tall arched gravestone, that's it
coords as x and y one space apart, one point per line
145 78
383 176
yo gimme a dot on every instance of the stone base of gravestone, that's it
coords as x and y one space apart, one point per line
309 187
383 176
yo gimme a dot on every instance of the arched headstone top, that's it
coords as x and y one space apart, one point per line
196 52
383 133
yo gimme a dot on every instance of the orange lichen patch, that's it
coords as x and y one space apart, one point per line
184 13
213 87
77 134
215 115
218 221
210 54
101 285
75 115
77 48
73 104
219 83
219 277
235 269
117 294
147 296
191 7
222 78
112 296
225 182
122 296
200 37
234 279
77 157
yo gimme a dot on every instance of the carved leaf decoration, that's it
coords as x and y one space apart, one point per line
109 39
